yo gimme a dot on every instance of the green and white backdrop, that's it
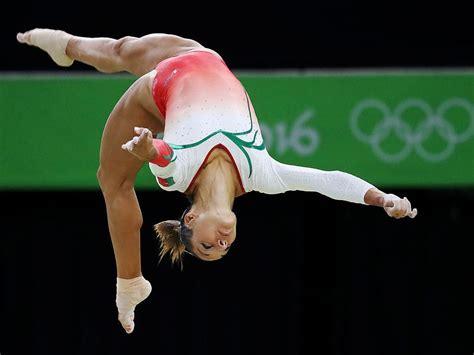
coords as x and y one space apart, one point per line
395 129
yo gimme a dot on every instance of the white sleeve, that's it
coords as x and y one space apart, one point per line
163 172
171 177
335 184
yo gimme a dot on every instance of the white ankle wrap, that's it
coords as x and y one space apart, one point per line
130 292
54 42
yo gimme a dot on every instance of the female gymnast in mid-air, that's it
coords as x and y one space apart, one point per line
212 150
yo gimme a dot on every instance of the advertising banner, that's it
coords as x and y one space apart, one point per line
390 128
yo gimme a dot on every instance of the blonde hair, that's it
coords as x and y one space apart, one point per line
169 235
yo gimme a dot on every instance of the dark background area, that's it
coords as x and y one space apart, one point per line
265 35
308 275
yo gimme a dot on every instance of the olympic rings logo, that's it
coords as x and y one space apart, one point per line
412 136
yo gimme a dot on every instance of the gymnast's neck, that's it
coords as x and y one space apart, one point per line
215 188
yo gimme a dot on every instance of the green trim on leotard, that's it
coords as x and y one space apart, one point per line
239 142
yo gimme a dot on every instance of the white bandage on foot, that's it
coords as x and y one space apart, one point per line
130 292
54 42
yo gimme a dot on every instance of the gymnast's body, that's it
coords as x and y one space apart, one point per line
212 150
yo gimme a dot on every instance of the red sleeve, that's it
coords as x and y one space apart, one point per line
165 153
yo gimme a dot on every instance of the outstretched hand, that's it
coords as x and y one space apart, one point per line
397 207
141 145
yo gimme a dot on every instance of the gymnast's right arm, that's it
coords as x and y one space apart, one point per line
335 184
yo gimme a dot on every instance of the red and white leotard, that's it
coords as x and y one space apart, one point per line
205 106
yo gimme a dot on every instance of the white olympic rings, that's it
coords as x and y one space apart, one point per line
413 137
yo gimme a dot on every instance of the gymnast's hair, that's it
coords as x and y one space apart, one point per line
175 238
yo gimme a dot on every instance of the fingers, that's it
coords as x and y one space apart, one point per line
138 130
400 208
413 213
389 204
129 145
142 130
408 202
408 210
143 134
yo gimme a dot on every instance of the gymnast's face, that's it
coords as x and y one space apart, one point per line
213 233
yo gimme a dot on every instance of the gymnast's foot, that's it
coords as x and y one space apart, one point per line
130 292
53 42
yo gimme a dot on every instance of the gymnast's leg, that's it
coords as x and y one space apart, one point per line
118 168
116 175
136 55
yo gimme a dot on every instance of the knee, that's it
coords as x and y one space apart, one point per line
130 53
120 45
111 182
103 177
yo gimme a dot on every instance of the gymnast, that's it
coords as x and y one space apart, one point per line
212 150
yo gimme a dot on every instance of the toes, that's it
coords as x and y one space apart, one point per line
129 327
127 322
20 37
24 37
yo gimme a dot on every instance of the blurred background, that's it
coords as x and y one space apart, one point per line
381 90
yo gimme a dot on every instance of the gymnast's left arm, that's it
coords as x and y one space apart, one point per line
335 184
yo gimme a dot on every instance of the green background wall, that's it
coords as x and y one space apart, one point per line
390 128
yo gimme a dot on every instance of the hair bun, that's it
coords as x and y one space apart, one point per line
171 225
